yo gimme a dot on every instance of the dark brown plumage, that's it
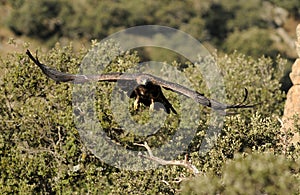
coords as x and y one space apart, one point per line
147 87
149 94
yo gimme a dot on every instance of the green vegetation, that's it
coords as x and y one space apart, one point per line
218 22
246 26
42 146
257 173
42 152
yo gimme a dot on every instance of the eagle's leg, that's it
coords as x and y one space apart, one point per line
151 105
136 103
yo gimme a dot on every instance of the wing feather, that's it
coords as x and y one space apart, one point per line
196 96
137 78
77 78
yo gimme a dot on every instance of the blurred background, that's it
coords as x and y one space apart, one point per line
252 27
255 27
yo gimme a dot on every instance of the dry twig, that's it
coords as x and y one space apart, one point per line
184 163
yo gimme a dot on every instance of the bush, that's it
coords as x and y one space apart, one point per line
253 41
41 150
257 173
40 19
84 20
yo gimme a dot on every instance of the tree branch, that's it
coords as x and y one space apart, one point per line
184 163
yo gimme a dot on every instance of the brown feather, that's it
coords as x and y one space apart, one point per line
145 86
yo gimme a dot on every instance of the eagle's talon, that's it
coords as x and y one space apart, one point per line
151 108
136 103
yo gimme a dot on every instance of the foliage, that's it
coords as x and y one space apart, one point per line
42 152
39 19
251 41
255 14
257 173
206 20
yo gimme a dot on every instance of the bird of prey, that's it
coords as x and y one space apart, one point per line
147 89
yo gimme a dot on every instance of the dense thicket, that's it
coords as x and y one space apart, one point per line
41 150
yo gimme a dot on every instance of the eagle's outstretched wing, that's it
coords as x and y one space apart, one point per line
140 79
75 78
198 97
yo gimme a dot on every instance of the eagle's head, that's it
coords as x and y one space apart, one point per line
144 80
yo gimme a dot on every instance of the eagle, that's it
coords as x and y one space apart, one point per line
147 91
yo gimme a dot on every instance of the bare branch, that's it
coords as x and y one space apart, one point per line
280 121
184 163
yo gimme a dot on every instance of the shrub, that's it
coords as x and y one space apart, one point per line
41 150
40 19
257 173
253 41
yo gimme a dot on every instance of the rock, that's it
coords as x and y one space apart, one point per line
292 104
295 74
273 14
280 15
285 37
298 40
292 110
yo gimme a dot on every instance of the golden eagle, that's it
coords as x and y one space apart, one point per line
147 90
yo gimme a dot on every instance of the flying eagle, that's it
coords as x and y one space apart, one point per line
147 90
